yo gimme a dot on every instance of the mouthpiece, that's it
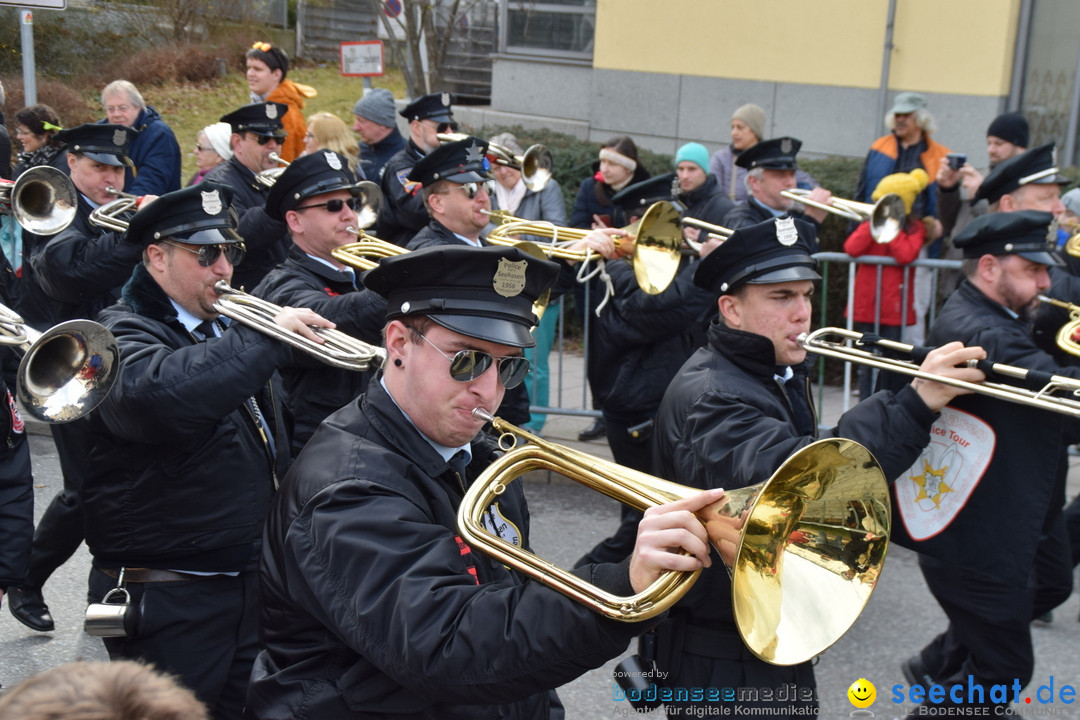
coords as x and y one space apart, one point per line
482 414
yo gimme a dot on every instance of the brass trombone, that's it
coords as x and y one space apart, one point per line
1066 337
656 244
812 541
886 216
829 341
535 165
43 200
338 349
66 371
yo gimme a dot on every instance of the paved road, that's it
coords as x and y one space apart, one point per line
567 520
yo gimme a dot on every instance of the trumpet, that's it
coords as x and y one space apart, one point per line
886 216
267 178
812 540
1068 335
656 246
338 349
1055 393
535 165
66 371
43 200
358 254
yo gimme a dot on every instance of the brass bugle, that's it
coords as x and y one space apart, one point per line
812 538
657 240
1066 335
886 216
1047 397
365 253
267 178
337 349
66 371
43 200
109 215
535 165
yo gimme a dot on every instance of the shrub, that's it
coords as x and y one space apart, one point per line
162 64
69 104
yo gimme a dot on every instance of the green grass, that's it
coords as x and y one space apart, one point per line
189 108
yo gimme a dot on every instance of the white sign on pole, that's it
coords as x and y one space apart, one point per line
362 59
44 4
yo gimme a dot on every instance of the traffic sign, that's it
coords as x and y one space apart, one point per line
362 59
44 4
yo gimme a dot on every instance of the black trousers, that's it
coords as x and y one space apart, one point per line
204 631
989 633
634 453
1052 577
60 530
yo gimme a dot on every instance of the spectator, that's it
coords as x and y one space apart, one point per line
212 147
698 192
885 308
36 127
376 124
328 131
155 154
267 66
101 691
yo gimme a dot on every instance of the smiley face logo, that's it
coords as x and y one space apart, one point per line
862 693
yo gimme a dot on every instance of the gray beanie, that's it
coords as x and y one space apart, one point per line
754 117
377 105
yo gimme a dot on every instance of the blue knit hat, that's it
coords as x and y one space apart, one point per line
695 153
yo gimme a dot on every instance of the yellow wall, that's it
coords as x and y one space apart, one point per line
942 46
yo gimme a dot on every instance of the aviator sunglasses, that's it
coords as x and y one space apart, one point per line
332 206
472 189
468 365
208 254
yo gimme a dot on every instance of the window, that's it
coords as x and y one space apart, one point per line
555 28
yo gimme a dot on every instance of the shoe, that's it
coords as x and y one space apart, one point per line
29 608
597 430
915 672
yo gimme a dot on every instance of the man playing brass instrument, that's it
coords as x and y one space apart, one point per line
316 197
185 452
372 605
738 408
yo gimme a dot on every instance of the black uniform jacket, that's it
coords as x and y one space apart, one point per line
403 213
725 421
84 266
644 339
315 389
1017 491
267 240
373 607
751 212
178 477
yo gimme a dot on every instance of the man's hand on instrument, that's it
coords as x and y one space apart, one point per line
823 196
949 360
664 533
300 320
605 242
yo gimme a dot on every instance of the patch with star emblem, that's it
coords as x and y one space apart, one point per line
936 488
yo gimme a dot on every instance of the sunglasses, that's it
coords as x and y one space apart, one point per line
468 365
261 46
208 254
333 206
200 148
264 139
473 189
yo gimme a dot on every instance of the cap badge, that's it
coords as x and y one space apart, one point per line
119 137
473 154
211 202
406 307
271 111
332 160
509 278
786 232
785 146
445 99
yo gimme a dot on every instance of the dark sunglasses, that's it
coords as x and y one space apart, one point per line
208 254
468 365
333 206
264 139
473 189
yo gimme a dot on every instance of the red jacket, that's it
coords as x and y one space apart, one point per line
904 249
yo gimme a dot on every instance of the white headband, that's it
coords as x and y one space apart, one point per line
618 158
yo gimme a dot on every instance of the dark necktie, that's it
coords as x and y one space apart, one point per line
458 463
206 329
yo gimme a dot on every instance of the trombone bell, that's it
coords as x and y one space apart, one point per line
813 539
